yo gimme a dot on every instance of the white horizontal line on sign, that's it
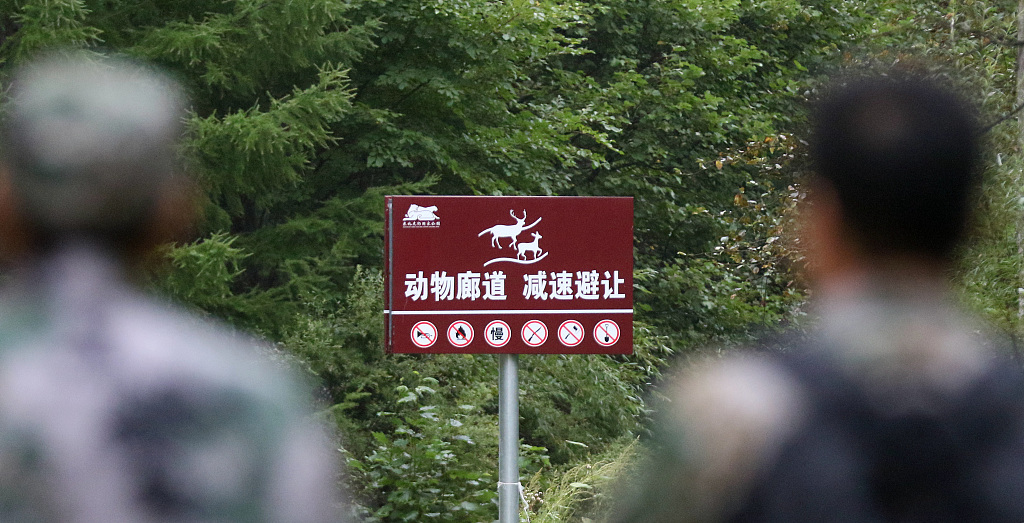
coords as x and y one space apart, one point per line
519 311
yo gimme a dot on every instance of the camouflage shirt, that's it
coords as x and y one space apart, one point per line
115 407
911 358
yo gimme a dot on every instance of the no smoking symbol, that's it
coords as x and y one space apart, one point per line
570 333
460 333
535 333
606 333
424 334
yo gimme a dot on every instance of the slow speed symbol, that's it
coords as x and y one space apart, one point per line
570 333
497 334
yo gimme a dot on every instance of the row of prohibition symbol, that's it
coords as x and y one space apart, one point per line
497 333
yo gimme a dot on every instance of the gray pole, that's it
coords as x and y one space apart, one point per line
508 438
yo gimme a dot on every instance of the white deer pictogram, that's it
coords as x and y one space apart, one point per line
533 247
508 231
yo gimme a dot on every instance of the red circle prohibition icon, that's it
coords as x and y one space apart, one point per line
606 333
497 333
424 334
534 333
460 333
571 333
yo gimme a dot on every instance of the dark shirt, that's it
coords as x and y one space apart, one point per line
885 407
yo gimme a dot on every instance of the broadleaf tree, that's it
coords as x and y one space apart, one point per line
307 112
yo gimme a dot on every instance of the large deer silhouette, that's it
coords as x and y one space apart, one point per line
508 231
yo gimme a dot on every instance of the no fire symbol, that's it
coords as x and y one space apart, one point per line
460 333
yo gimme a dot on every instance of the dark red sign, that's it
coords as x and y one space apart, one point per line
509 274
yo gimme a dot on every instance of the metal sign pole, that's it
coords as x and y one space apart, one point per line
508 438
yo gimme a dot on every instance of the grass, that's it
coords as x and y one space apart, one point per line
584 493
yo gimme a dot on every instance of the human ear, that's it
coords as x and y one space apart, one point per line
15 236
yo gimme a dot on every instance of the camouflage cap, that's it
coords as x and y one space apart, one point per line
90 141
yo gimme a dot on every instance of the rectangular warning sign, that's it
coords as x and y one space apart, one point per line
509 274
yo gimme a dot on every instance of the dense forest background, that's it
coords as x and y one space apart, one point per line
307 112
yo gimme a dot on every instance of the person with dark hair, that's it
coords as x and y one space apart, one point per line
899 157
893 407
114 406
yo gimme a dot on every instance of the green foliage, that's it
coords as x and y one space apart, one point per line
584 493
202 273
256 154
554 414
307 112
29 26
975 45
417 472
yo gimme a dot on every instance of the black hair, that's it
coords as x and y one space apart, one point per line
900 153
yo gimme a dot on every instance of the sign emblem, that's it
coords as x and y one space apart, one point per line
421 217
606 333
460 333
497 333
534 333
418 213
424 334
570 333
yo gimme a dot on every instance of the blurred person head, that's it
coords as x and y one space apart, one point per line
88 151
874 414
115 406
895 173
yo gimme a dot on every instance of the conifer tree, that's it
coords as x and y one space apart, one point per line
306 112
